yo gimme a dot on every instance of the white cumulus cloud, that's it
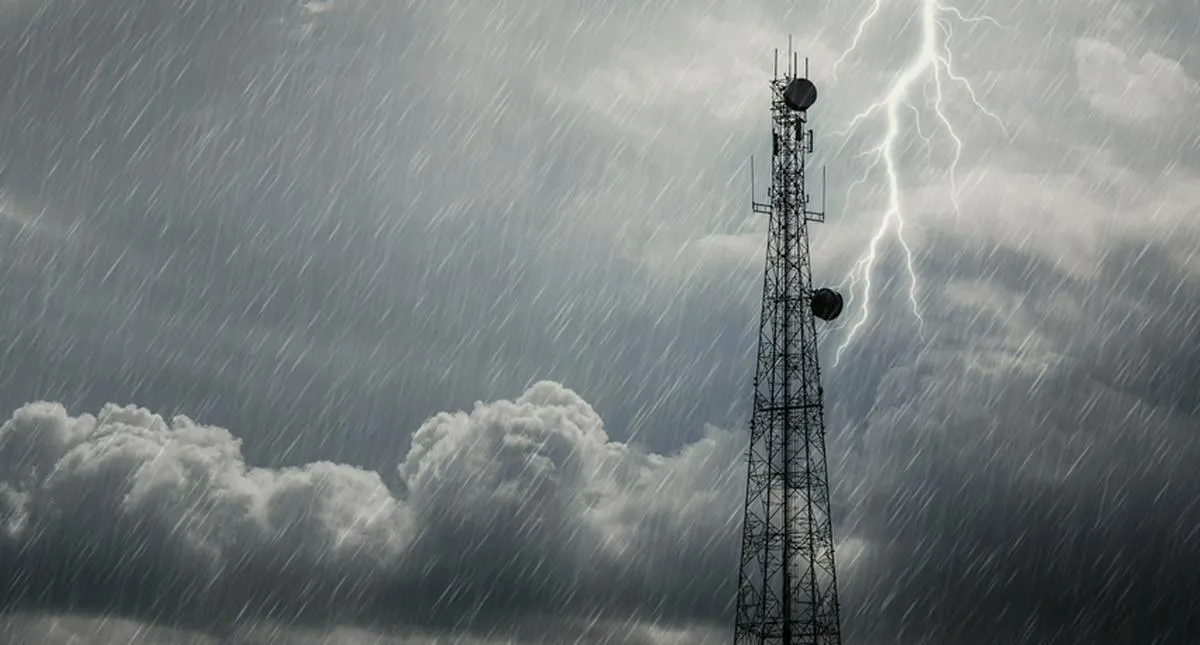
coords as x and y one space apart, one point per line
508 506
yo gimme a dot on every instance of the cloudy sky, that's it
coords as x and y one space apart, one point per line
373 321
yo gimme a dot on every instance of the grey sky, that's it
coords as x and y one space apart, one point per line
322 225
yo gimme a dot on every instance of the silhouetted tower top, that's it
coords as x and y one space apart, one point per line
787 584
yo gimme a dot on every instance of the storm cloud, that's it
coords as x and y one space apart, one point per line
1020 493
330 227
518 507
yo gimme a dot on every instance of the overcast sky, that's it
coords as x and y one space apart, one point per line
372 321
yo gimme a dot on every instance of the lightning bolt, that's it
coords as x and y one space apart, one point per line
931 63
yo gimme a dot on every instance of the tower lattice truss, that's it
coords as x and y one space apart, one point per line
787 587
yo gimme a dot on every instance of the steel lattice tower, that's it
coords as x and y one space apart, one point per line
787 586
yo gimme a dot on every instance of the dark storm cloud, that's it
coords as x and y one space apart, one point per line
1010 492
198 163
1072 516
513 511
58 629
262 214
996 490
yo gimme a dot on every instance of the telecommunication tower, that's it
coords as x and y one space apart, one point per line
787 585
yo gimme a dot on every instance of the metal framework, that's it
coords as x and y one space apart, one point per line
787 585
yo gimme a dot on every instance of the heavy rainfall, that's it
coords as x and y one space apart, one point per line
369 321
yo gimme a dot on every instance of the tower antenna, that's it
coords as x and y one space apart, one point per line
787 584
